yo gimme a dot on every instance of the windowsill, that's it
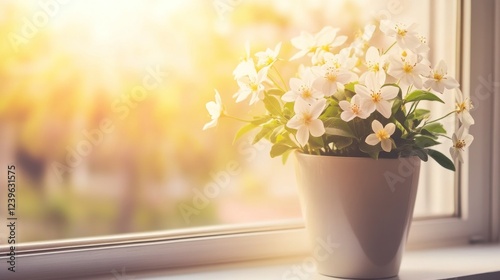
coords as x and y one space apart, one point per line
417 265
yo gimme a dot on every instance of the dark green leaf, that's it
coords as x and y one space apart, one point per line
338 127
316 142
341 142
425 141
443 160
435 128
418 95
373 151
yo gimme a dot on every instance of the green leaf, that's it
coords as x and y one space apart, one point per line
425 141
420 114
285 155
279 149
396 105
341 142
435 128
273 105
373 151
316 142
350 87
243 130
261 120
275 91
266 130
418 95
338 127
443 160
421 154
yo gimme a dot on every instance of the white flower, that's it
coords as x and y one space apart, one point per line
304 89
251 84
353 109
268 57
406 37
463 107
375 63
246 65
215 109
376 97
361 42
381 134
439 79
408 70
461 139
330 76
326 40
306 120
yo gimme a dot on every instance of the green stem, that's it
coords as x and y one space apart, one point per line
440 118
390 47
276 84
281 78
235 118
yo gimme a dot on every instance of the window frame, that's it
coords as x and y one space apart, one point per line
479 203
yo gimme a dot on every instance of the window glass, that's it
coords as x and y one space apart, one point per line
102 105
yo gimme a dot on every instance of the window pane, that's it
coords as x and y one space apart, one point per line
103 102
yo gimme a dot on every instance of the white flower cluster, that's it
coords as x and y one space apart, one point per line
378 76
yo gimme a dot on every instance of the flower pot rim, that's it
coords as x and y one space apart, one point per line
302 154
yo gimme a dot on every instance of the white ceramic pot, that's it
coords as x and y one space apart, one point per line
361 208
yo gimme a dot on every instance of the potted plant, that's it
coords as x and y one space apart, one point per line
353 115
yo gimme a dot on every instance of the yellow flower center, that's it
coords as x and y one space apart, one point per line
460 145
438 77
307 118
375 67
376 97
382 135
326 48
463 106
305 92
254 86
330 74
407 68
355 109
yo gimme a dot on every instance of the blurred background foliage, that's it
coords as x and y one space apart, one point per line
64 78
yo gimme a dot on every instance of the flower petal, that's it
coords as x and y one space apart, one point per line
372 139
389 92
386 145
303 135
390 128
316 128
376 126
384 108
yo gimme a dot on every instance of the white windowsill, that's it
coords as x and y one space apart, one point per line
440 263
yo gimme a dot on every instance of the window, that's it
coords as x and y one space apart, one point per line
120 99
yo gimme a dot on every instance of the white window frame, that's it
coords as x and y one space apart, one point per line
478 220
